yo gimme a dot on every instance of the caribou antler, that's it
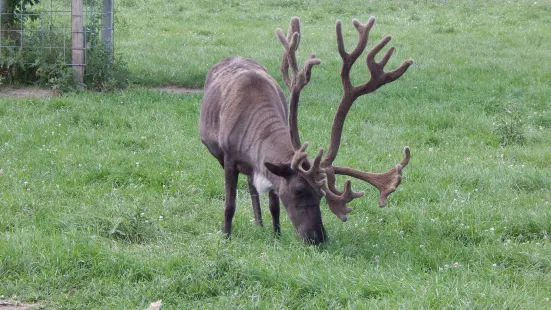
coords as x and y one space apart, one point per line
300 78
385 182
290 45
321 170
315 175
337 200
323 180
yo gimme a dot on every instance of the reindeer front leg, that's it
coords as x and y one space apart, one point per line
230 178
255 201
274 210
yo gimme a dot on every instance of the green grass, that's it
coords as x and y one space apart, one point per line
109 201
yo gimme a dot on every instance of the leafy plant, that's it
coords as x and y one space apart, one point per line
133 228
13 7
56 74
104 72
13 67
510 127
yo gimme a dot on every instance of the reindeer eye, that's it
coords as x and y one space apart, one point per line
301 192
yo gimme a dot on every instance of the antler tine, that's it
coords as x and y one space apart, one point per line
284 68
350 59
378 76
386 183
337 202
315 175
290 44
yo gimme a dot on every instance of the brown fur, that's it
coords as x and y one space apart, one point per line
243 123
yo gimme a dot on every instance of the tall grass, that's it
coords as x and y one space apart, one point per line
111 201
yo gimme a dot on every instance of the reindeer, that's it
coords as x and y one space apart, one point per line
246 125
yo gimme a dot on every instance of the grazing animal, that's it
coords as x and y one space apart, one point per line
246 125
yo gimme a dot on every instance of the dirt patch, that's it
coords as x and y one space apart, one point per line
172 89
39 93
27 93
15 305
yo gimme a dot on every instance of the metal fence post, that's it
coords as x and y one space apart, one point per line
77 35
108 26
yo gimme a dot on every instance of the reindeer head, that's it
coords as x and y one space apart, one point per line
301 193
306 182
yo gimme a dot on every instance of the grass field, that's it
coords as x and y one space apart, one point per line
109 200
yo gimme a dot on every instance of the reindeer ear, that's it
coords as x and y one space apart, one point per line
281 170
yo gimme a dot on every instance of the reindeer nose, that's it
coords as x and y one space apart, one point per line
314 237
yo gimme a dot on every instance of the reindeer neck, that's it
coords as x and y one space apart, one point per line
277 149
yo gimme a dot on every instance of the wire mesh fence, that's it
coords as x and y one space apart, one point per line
34 30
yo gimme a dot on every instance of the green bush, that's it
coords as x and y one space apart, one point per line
104 71
35 63
56 74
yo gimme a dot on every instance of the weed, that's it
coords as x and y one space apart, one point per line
509 127
133 227
104 72
57 75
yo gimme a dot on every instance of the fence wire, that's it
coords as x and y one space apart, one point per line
43 28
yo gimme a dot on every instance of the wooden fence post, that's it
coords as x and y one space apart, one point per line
77 40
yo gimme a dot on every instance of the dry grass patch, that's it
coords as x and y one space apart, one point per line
17 93
16 305
174 89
